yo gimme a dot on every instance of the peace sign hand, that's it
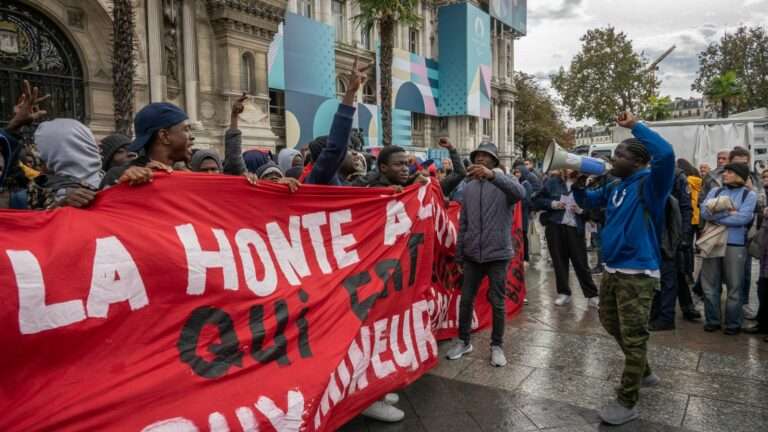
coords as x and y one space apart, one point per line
356 79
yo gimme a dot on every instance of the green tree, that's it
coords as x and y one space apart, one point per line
123 65
658 108
607 76
386 14
744 52
726 89
538 120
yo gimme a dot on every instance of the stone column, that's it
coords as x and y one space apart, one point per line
293 6
496 119
189 39
155 50
323 12
501 56
503 129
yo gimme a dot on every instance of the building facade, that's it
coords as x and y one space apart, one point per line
203 54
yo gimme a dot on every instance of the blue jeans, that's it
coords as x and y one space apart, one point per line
747 281
728 269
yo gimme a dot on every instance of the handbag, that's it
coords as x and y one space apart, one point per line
712 241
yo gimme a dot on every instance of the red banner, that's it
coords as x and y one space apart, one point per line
203 303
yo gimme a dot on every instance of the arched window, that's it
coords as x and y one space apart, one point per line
341 87
33 48
369 93
248 73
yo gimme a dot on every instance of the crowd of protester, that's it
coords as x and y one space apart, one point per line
712 231
65 165
682 253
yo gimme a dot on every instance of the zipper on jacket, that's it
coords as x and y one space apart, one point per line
482 185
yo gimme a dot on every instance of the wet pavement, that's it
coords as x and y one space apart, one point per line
563 367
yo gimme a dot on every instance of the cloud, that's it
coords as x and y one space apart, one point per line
562 9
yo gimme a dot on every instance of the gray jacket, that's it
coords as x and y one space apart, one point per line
485 225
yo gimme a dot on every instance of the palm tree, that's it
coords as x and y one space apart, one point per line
726 89
386 14
123 65
658 108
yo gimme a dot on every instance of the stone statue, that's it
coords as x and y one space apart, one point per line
171 40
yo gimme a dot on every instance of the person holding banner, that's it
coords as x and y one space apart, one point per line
485 245
631 252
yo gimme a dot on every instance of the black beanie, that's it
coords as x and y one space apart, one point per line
109 146
740 169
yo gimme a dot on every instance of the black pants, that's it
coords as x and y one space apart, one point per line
566 244
497 290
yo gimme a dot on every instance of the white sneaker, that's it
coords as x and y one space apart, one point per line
525 301
594 302
749 313
384 412
497 356
391 398
563 300
458 349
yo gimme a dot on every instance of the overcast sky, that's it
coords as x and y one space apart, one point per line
555 26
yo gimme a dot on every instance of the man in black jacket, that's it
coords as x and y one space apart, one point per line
485 245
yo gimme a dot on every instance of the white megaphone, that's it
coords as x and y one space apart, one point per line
557 158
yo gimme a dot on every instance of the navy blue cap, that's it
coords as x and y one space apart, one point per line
152 118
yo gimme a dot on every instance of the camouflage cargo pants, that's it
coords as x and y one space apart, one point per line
625 305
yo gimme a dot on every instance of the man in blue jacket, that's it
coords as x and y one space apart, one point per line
631 253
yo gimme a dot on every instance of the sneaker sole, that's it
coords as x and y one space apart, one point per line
498 365
634 416
467 351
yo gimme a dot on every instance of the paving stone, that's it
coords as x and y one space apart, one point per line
725 388
482 373
578 390
709 415
719 364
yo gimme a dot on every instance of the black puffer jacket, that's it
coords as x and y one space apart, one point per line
485 226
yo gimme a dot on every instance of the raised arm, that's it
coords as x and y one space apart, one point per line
233 141
327 164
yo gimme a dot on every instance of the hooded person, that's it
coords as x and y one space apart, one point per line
206 161
254 159
163 138
114 151
270 172
73 160
289 158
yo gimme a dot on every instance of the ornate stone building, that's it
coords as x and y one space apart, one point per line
202 54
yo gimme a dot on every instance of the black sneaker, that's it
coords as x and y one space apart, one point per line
660 326
711 328
691 315
597 270
731 331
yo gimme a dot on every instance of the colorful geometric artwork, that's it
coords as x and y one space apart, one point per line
401 128
513 13
310 59
276 61
415 82
465 61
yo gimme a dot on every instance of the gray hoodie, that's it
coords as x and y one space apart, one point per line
285 158
68 148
